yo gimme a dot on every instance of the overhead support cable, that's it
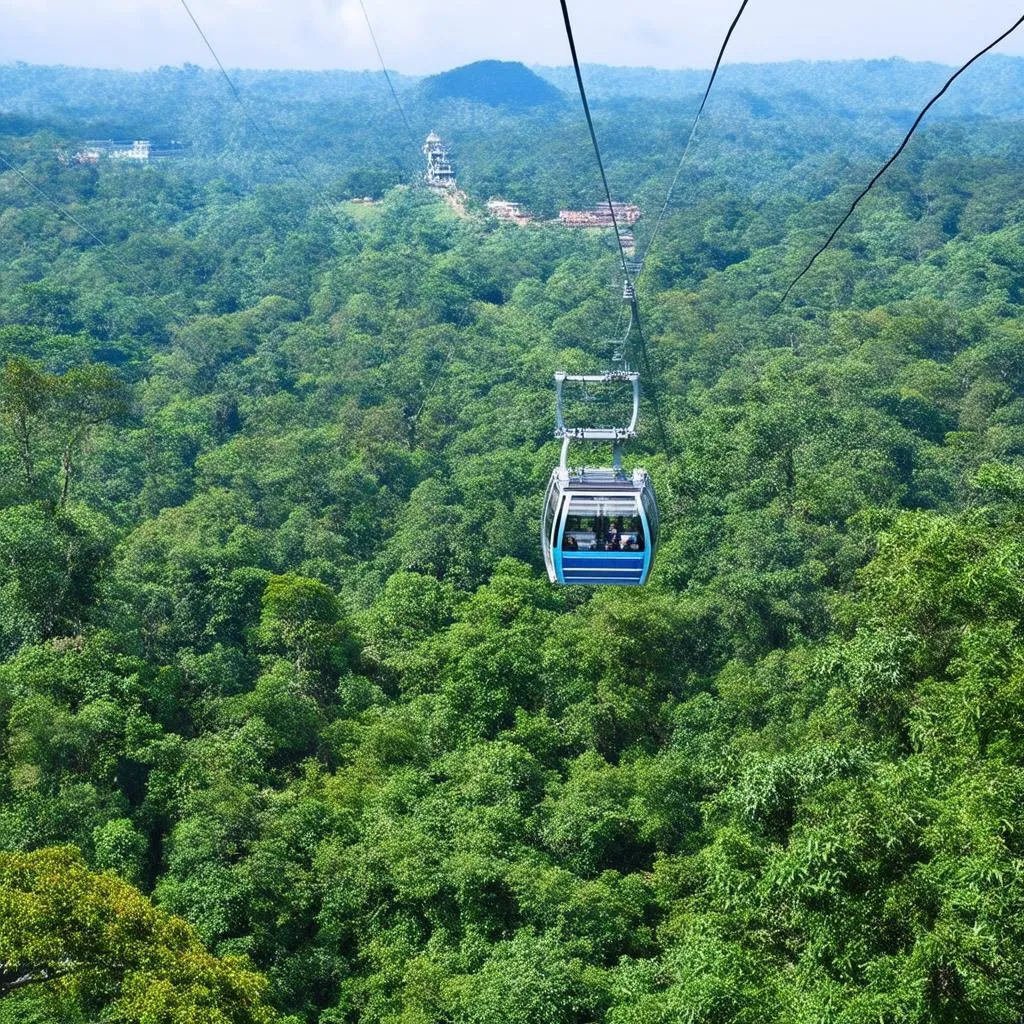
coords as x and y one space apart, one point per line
227 78
278 140
387 77
630 289
888 163
658 418
213 53
693 128
68 215
593 139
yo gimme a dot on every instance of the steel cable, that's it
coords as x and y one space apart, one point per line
888 163
64 212
387 77
693 129
593 138
634 308
278 139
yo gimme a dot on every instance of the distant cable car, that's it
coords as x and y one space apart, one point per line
600 526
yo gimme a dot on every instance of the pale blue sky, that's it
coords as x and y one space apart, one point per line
417 39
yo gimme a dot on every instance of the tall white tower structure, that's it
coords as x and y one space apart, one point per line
439 168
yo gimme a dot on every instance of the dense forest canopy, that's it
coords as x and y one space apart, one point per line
292 725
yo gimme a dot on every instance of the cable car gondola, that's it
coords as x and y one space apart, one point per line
600 526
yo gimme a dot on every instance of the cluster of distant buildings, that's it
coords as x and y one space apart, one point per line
604 215
139 151
600 216
510 213
440 176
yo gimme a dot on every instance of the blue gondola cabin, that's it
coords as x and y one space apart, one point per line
600 526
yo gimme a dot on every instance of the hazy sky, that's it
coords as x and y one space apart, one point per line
419 36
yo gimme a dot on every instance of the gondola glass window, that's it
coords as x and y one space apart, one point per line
608 526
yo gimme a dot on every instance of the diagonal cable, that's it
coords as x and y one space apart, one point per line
66 213
653 386
634 308
693 129
223 71
278 140
593 139
387 77
888 163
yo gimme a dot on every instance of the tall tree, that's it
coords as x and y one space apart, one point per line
83 398
94 941
26 394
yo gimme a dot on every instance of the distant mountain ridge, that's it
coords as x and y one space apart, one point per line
495 83
994 87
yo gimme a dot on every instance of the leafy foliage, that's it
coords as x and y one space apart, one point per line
93 936
277 646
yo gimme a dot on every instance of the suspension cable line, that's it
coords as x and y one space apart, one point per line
693 130
415 144
593 139
387 77
634 320
68 215
278 140
630 288
892 159
664 209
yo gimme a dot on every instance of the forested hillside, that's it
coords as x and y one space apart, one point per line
292 725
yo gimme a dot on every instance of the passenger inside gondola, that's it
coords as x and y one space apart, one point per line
603 533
